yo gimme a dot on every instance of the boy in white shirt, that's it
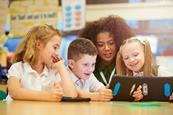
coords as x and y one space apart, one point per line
82 56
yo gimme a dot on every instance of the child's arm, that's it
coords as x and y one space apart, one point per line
102 95
19 93
98 92
138 94
67 83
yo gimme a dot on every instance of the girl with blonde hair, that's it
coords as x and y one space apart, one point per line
38 73
125 61
135 58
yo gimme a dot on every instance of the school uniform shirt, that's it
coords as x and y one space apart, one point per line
107 71
32 80
89 85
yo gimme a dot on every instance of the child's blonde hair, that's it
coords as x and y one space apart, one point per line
27 50
149 68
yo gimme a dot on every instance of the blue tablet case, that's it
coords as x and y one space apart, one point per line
153 88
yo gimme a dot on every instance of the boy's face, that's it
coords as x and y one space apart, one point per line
84 67
133 56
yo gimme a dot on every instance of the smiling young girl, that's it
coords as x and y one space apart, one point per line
135 58
38 73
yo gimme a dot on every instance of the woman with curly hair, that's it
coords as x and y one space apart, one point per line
107 34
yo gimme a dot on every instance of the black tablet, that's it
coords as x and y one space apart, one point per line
153 88
77 99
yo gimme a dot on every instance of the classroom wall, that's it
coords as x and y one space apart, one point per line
136 11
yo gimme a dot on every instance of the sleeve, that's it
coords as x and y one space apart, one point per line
95 85
15 70
164 72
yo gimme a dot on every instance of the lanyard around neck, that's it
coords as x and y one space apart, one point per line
104 79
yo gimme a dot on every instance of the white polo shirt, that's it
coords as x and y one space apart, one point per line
89 85
30 79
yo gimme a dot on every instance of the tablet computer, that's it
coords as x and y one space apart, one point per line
76 99
153 88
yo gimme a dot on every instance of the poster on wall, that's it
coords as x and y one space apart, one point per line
3 14
73 14
26 14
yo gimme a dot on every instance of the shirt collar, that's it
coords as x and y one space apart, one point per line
74 77
138 73
102 66
27 67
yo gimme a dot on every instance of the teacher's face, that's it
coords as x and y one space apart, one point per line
106 46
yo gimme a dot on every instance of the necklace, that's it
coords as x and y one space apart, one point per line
104 78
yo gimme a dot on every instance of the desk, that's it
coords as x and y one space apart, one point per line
85 108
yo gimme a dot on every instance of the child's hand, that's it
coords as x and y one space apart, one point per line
58 62
103 95
56 58
56 92
171 97
138 94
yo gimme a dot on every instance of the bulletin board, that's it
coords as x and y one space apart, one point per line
3 14
73 14
26 14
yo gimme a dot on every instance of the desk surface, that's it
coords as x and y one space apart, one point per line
85 108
